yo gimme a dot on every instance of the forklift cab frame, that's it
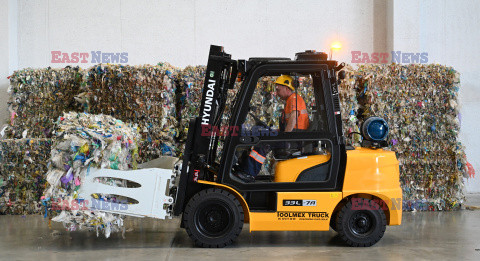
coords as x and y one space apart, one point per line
221 74
323 76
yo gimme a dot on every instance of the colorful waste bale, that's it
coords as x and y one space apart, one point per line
23 164
419 102
38 97
84 141
143 94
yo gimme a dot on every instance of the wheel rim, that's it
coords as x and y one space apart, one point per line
214 218
362 223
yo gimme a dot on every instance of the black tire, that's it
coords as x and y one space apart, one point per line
213 218
362 226
333 221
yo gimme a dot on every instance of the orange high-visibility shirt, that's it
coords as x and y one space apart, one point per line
296 103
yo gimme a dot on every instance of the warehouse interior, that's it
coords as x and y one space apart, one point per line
127 77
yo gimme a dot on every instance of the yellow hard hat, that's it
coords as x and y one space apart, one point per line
285 80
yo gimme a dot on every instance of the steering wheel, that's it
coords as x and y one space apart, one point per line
258 121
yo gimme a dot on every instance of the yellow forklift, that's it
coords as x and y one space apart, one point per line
317 182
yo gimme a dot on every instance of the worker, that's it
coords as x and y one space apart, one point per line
294 117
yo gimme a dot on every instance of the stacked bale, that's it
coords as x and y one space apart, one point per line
142 94
420 104
23 164
38 97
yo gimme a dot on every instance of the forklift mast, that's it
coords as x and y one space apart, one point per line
220 76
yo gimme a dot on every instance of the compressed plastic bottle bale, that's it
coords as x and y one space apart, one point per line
23 164
38 97
85 141
144 94
419 103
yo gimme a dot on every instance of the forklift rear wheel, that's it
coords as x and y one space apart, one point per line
213 218
362 225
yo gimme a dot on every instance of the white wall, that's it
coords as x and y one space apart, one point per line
4 58
449 32
180 32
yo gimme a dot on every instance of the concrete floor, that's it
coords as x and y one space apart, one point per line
423 236
473 200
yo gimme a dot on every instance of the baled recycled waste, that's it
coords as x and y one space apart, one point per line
85 141
38 97
419 102
23 164
144 94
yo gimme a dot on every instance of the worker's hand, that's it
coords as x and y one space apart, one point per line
258 122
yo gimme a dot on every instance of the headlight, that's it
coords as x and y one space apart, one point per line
375 129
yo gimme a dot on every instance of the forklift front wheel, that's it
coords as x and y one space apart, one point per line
213 218
333 221
361 224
